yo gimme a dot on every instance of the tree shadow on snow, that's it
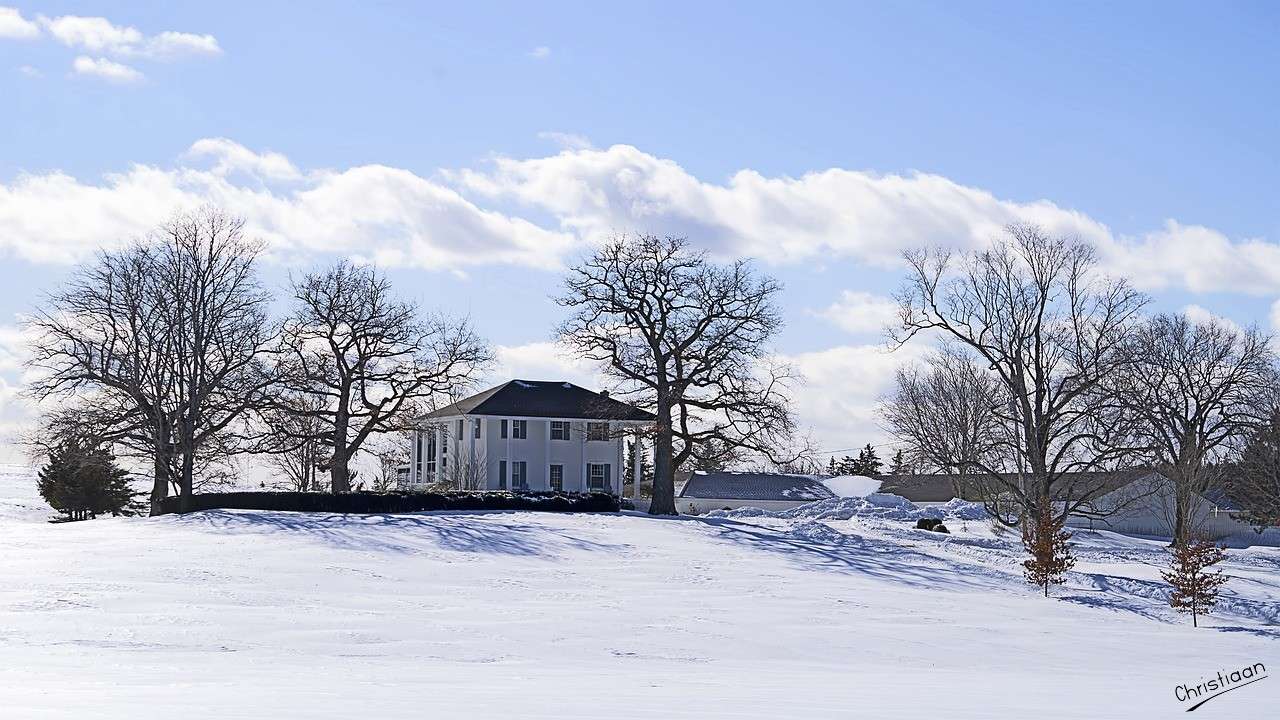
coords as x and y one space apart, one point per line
860 555
490 533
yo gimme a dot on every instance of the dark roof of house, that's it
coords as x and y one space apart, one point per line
542 398
754 486
940 487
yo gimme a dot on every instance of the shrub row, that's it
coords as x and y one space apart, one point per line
397 502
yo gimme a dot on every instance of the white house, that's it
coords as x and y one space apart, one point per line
528 435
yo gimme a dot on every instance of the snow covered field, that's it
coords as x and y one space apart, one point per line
281 615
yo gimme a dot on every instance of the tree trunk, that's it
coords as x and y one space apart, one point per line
339 474
1179 519
160 466
159 486
186 484
663 501
339 470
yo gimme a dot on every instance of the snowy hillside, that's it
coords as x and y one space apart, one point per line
841 610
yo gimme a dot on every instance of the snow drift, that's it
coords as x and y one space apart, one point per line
883 506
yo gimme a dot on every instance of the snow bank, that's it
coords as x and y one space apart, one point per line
846 486
884 506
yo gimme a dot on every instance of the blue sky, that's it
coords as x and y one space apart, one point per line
472 149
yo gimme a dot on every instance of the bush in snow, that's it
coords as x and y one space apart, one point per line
83 482
1046 541
1195 587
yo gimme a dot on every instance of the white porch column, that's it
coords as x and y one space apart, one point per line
636 476
546 458
415 456
439 455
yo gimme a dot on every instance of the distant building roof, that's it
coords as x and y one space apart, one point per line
755 486
940 487
542 399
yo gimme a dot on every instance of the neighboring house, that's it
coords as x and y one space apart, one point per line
1145 506
941 487
707 491
527 435
1131 502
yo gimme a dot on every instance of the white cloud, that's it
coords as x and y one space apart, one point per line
863 216
15 27
567 141
95 34
842 386
100 36
394 216
861 312
170 44
29 71
387 215
542 52
232 156
780 219
1200 316
545 361
106 69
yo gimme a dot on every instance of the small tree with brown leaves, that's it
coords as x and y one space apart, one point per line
1195 586
1045 539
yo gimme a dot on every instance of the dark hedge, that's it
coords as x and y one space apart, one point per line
396 502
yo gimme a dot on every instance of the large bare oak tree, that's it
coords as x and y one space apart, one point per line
1194 391
158 347
362 362
686 338
1036 311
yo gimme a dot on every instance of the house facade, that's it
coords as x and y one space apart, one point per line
527 435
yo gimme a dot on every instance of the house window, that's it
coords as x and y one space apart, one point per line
476 423
559 430
556 477
597 431
502 474
459 432
519 475
597 477
519 429
502 426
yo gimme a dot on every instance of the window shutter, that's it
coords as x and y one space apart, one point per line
503 427
502 474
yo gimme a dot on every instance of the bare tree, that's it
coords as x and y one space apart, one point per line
1035 310
945 415
163 340
467 473
391 452
369 359
1196 390
1253 478
686 338
294 440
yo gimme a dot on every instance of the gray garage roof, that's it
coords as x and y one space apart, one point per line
940 487
542 399
755 486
